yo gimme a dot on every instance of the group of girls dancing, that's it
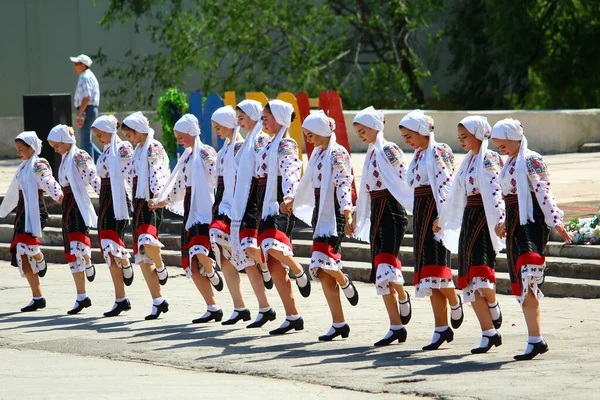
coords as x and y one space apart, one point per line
239 207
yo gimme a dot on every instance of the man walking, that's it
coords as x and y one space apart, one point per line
87 100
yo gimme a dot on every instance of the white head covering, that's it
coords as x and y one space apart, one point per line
139 123
282 112
511 129
69 169
188 124
246 157
399 188
108 123
418 122
451 217
304 202
24 179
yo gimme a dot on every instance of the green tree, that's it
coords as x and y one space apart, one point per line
362 48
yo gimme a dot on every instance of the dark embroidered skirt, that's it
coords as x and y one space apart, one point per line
19 234
73 226
276 229
109 228
388 224
326 249
145 220
432 259
197 235
220 221
524 243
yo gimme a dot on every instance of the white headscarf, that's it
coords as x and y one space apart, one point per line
108 123
246 157
399 188
225 116
24 179
511 129
452 213
282 112
139 123
65 134
304 203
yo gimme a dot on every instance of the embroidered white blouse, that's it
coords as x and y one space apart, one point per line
341 175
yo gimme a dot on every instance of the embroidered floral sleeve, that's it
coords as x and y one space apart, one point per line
289 166
444 169
87 169
45 180
209 157
539 180
158 169
396 158
342 177
126 155
493 165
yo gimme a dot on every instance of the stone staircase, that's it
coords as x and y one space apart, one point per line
571 271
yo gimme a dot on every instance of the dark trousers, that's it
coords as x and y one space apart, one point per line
85 132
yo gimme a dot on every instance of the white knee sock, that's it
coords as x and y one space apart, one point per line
348 289
532 340
484 337
494 310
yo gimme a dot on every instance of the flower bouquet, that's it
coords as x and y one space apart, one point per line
585 230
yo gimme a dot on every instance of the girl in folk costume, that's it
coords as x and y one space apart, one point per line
381 220
530 213
114 167
25 192
76 172
150 174
245 215
430 174
278 169
475 206
190 193
324 200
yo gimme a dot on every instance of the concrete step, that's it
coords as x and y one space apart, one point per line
589 147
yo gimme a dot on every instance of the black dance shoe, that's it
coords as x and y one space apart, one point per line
241 315
406 320
354 299
266 317
161 308
456 323
123 305
445 336
297 324
85 303
36 305
497 322
268 283
90 273
42 267
217 316
128 281
538 348
304 290
163 276
397 334
495 340
344 331
219 286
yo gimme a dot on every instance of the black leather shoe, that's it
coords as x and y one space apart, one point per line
296 325
266 317
305 290
344 331
128 281
406 320
85 303
161 308
268 283
445 336
497 322
219 286
456 323
495 340
37 304
242 315
42 271
90 273
354 299
123 305
538 348
217 316
397 334
163 276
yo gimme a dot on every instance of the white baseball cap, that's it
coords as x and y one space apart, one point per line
82 58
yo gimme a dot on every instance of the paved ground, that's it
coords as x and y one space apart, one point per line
171 358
